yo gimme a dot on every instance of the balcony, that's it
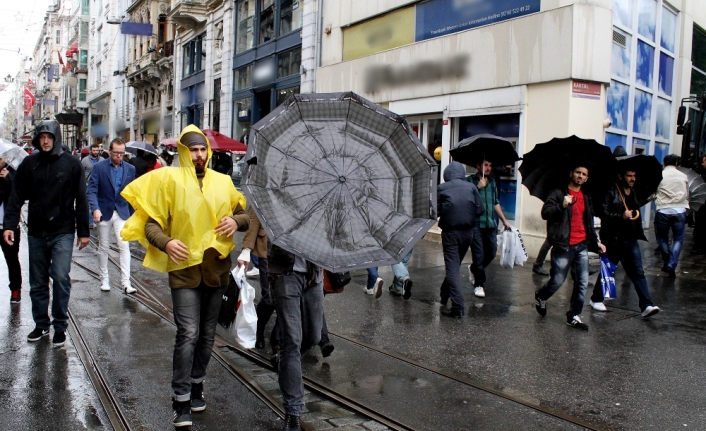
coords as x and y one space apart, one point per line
189 14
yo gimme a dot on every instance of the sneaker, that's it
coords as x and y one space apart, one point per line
576 323
129 289
253 272
377 289
182 413
479 292
105 286
15 296
37 334
407 288
394 291
650 310
471 278
538 269
540 305
369 291
59 339
198 402
598 306
291 423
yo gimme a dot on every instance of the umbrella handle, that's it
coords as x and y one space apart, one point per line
637 212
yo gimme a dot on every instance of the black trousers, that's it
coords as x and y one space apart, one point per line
11 253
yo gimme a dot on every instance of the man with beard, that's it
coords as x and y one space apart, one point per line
569 216
621 228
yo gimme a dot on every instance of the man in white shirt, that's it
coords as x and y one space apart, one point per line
672 202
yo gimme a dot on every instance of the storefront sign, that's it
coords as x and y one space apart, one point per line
586 90
440 17
264 72
378 34
385 76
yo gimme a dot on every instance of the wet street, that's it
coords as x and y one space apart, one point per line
501 367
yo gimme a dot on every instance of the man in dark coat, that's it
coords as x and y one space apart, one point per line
459 205
54 184
621 228
569 216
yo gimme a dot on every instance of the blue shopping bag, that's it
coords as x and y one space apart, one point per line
607 277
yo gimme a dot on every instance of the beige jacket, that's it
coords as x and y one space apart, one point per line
673 191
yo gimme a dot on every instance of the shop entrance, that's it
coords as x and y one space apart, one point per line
429 130
263 104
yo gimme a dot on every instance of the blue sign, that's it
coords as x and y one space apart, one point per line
136 28
441 17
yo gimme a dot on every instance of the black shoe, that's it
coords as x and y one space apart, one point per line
448 312
259 340
274 360
291 423
576 323
59 339
326 349
665 269
407 288
538 269
672 273
182 413
198 402
37 334
540 305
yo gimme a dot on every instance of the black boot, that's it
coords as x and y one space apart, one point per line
182 413
326 347
291 423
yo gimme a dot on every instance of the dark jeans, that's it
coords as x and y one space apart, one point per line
663 224
300 311
628 253
11 253
50 256
574 259
487 238
195 314
455 244
543 252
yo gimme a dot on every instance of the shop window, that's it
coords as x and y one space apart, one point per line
669 29
664 110
288 63
618 98
290 16
612 140
267 20
643 112
243 77
242 109
661 151
698 61
622 12
620 60
698 82
244 25
647 18
645 63
666 74
284 93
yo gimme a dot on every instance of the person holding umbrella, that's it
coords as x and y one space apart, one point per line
569 216
672 202
621 229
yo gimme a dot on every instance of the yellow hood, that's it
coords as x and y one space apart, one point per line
172 197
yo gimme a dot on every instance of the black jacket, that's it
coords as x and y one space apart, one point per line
140 165
281 262
6 185
559 220
613 226
55 186
458 200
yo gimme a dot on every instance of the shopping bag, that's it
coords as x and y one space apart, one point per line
607 277
245 326
520 250
229 304
507 249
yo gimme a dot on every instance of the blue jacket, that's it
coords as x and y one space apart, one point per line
458 200
101 191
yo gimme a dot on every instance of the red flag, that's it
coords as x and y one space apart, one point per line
61 61
29 101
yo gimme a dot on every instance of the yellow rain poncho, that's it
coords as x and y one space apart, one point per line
172 197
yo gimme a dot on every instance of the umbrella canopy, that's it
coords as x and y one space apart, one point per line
133 146
547 166
220 142
648 174
697 188
169 142
340 181
478 148
11 153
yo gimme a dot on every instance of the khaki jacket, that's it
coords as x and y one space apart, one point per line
255 238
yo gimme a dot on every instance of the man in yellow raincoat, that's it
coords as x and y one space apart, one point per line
185 217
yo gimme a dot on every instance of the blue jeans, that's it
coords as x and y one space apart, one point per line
195 314
574 258
255 261
663 224
300 312
627 252
50 256
372 277
401 272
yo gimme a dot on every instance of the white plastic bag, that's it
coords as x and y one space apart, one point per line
507 249
520 250
245 326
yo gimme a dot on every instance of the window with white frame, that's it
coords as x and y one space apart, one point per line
641 95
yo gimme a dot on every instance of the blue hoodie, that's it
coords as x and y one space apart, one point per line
458 200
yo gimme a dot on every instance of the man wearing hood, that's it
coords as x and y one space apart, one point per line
185 217
459 205
54 184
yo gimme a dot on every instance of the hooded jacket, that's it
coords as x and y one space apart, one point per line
54 184
188 208
458 200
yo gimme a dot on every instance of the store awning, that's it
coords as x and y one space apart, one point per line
69 118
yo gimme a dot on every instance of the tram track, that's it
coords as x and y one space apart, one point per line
371 413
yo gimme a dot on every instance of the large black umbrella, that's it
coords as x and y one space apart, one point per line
133 146
697 188
648 174
478 148
548 165
340 181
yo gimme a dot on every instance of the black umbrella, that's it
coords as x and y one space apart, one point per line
548 165
133 146
697 188
648 174
478 148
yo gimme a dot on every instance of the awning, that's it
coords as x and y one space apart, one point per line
69 118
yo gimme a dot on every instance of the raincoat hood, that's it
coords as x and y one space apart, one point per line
183 150
185 209
454 171
51 127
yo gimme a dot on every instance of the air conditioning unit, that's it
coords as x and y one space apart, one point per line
116 72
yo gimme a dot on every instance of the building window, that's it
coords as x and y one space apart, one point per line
216 114
98 39
98 74
244 25
698 62
187 60
83 33
267 20
242 109
284 93
82 59
194 55
290 16
58 37
84 7
288 63
82 90
243 77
